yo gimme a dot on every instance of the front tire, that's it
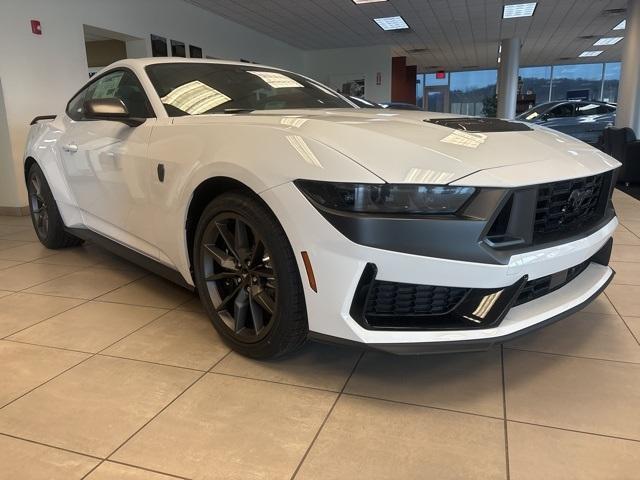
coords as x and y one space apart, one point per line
45 216
248 278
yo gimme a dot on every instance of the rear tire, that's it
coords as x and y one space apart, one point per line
45 216
248 278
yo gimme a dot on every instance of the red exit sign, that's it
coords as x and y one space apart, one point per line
36 27
441 75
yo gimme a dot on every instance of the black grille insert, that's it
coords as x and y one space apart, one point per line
542 286
391 298
567 205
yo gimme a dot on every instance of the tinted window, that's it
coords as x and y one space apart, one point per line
202 88
593 109
535 112
562 110
120 84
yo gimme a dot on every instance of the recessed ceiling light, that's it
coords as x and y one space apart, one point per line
621 26
608 41
519 10
391 23
358 2
590 53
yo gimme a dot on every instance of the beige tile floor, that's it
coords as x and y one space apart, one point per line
112 373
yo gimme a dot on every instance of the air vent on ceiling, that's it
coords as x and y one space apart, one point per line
589 37
614 11
565 58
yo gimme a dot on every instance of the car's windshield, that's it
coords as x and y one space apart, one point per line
535 112
203 88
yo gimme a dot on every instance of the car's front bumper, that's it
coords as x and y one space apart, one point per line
338 265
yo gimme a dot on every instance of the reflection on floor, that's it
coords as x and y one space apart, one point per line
112 373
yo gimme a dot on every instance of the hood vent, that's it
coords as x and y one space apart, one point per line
480 125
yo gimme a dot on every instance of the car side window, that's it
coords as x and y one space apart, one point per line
561 111
75 109
120 84
592 109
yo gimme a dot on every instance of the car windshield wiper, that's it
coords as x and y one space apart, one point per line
238 110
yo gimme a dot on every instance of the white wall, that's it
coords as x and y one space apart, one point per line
40 73
325 64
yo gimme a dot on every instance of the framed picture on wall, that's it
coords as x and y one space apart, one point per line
195 52
178 49
159 46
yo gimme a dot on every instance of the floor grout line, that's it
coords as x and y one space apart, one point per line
87 455
623 320
271 381
326 418
584 432
504 414
99 353
36 442
82 361
108 457
142 468
44 320
567 355
340 393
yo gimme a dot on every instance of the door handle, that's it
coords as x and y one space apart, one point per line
71 148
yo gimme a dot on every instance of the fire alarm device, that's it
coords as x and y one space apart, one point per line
36 28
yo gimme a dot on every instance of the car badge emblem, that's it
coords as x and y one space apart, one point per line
577 199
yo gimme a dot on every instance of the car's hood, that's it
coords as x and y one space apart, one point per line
406 147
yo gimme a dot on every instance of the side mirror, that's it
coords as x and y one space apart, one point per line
112 109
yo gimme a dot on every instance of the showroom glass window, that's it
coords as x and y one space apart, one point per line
568 79
537 81
203 88
121 84
611 82
470 92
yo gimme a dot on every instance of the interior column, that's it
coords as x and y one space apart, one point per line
628 114
508 77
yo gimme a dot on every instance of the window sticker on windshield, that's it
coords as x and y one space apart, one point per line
108 86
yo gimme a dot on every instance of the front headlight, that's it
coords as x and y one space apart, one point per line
386 198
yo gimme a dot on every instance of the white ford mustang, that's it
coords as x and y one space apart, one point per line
296 214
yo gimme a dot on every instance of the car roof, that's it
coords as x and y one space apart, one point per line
558 102
143 62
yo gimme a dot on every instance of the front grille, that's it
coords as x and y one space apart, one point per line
391 298
567 205
544 285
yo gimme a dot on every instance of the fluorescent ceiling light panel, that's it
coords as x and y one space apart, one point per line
621 26
608 41
391 23
590 53
519 10
358 2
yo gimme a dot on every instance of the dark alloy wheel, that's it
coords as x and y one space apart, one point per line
45 216
248 278
38 205
240 278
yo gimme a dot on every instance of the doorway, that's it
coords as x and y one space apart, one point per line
436 99
103 47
